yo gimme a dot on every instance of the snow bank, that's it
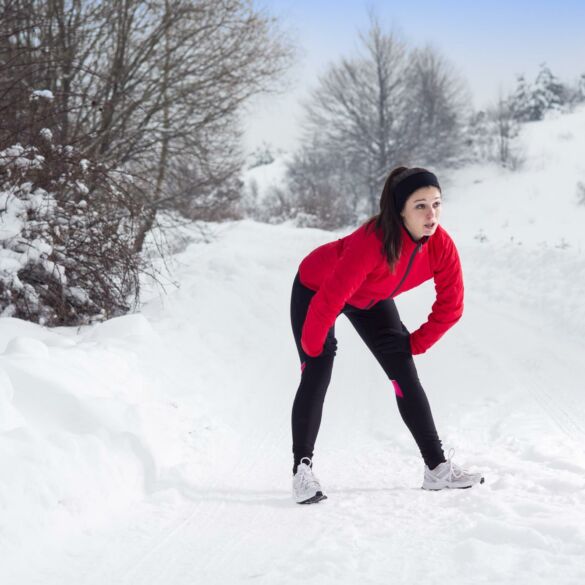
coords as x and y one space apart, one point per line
88 427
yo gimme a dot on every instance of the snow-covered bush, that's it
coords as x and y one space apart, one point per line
262 155
66 236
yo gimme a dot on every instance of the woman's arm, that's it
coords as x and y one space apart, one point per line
448 306
358 258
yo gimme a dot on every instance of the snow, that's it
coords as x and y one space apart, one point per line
47 134
536 205
266 176
78 294
17 156
43 93
83 188
155 447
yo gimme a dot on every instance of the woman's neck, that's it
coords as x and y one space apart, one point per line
408 232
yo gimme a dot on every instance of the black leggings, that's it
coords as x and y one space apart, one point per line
373 325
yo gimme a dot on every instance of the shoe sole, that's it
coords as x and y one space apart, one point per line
314 499
446 487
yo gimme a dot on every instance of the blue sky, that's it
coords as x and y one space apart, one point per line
488 43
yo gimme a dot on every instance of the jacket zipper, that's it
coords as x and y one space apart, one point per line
408 267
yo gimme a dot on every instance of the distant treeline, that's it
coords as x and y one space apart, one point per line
393 104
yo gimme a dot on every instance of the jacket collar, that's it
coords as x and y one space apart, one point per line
422 240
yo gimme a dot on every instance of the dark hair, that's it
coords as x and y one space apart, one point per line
388 221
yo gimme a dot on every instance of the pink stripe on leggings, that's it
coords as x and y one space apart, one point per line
397 389
303 366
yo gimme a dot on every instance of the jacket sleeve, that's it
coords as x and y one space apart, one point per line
448 306
359 257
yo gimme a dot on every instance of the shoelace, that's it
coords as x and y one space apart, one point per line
307 478
455 471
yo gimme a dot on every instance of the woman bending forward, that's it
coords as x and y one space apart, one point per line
359 275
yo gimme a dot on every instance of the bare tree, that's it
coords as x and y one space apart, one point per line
356 108
140 83
389 105
145 94
506 130
320 183
438 101
491 135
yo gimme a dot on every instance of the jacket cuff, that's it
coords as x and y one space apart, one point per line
310 351
414 349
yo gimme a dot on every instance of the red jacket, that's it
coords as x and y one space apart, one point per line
354 270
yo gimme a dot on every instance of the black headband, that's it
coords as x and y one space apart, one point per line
409 181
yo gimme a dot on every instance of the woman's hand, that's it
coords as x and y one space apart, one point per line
329 347
310 350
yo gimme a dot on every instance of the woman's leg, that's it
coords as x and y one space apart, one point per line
375 326
315 377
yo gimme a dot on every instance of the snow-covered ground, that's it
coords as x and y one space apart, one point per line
155 448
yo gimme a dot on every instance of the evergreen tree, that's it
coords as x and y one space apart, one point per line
549 93
529 103
522 102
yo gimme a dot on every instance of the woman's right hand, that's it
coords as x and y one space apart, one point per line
311 351
329 347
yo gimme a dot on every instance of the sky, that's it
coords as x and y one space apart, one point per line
487 43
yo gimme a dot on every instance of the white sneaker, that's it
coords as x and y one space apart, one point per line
449 475
306 487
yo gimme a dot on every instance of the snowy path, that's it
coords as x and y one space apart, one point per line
506 394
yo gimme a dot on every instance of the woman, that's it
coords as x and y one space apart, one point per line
359 275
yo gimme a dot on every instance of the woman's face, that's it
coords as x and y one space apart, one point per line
421 212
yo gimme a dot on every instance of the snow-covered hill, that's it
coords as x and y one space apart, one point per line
155 448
